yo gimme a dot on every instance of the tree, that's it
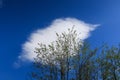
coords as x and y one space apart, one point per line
109 63
56 57
85 63
68 58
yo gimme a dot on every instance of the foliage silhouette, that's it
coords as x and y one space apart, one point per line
68 58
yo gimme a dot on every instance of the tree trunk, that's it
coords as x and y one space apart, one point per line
62 71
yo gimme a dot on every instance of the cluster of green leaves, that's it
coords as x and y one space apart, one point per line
109 63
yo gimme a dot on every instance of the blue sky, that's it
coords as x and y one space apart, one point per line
18 18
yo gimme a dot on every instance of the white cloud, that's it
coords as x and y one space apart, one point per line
48 35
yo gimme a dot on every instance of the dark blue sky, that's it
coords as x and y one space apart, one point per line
18 18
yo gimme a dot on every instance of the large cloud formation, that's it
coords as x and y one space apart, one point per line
48 35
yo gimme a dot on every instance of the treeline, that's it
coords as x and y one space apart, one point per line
68 59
